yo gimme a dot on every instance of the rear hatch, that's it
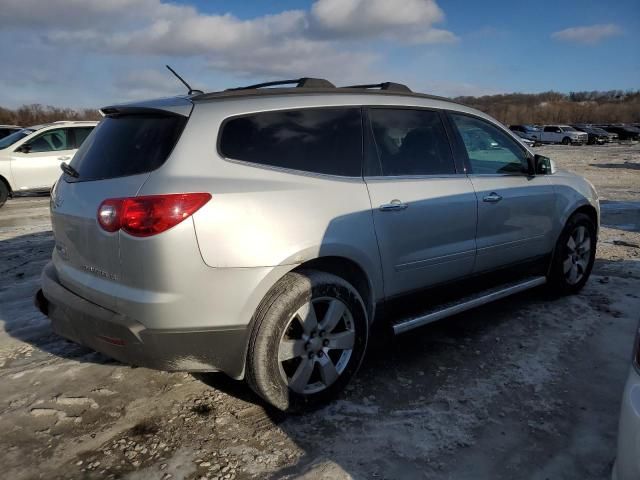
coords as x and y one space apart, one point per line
113 162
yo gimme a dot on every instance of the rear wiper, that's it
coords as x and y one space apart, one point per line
69 170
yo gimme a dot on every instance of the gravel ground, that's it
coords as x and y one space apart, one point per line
528 387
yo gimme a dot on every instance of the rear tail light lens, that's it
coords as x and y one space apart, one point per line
109 214
149 215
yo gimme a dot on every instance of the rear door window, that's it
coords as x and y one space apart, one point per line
317 140
125 145
411 142
50 141
80 135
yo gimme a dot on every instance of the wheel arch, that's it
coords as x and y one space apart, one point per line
341 266
585 207
350 271
7 184
588 210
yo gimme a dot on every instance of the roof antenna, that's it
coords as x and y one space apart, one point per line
191 90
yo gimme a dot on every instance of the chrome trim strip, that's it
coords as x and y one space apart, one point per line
461 307
514 243
434 260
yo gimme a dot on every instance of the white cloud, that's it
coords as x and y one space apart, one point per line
160 28
409 20
146 83
332 39
588 34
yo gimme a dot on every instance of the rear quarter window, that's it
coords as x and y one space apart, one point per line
317 140
126 145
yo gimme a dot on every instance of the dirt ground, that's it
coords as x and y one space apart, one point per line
528 387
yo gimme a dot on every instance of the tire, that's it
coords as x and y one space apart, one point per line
573 256
4 193
290 363
566 141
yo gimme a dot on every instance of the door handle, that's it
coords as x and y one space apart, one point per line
493 197
67 157
392 206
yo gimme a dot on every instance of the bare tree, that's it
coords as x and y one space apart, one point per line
552 107
34 114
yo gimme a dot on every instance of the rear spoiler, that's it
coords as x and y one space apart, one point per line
166 106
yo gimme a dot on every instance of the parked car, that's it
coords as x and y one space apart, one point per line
564 134
528 132
624 132
596 135
6 130
12 138
627 466
249 232
30 158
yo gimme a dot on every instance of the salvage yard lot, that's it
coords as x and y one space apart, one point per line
528 387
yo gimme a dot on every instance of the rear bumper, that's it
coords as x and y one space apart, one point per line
627 466
129 341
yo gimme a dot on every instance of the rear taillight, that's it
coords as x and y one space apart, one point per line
149 215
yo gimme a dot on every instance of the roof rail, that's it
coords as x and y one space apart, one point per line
304 82
390 86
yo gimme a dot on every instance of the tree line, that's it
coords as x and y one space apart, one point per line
613 106
35 114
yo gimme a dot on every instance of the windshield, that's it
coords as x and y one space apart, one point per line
569 129
14 137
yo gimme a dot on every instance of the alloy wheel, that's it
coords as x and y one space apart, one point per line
578 254
316 345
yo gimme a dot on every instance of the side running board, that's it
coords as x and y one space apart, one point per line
466 303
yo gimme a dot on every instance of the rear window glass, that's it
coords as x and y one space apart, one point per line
320 140
127 145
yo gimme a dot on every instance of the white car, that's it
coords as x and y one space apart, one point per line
627 466
30 158
564 134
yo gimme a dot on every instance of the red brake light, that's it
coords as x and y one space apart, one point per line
149 215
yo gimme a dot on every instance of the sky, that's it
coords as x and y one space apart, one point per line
91 53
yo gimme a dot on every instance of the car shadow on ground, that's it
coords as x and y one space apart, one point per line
620 215
399 375
22 259
625 165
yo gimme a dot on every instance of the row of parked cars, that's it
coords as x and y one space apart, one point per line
578 133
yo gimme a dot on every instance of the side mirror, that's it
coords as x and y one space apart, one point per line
26 148
542 165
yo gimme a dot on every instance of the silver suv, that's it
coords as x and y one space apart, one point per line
260 231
